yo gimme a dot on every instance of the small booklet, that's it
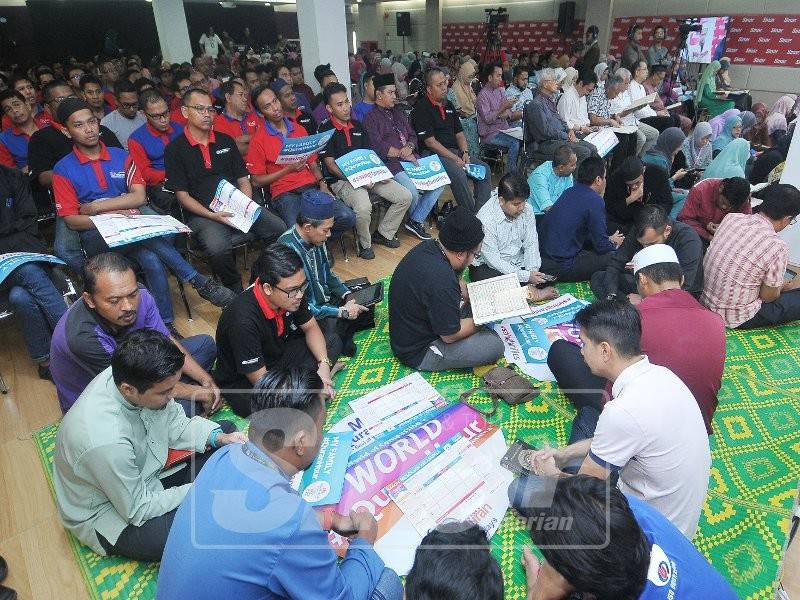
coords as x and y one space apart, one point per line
671 106
604 140
498 298
519 458
229 198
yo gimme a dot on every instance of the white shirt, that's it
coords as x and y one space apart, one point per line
510 245
210 45
620 103
653 432
572 108
637 91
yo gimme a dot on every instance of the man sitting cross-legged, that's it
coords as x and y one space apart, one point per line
113 445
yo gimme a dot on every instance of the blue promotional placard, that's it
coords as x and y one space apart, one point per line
323 481
297 150
428 173
475 171
12 260
363 167
560 310
533 341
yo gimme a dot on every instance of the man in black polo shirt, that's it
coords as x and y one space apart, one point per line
268 327
195 164
286 96
429 328
351 136
438 129
48 146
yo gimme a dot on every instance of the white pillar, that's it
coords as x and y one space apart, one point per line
598 12
173 33
323 38
369 27
433 25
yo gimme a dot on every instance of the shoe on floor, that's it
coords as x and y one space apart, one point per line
377 238
174 332
418 229
215 293
366 254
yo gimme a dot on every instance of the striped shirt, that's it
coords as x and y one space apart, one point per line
745 253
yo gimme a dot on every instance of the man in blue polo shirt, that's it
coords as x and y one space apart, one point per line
93 180
14 140
243 532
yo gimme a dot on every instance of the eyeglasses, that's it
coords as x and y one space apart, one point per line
294 292
159 117
203 110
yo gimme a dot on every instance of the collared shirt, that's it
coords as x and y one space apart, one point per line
577 217
428 122
509 245
341 143
598 103
198 168
652 432
546 187
745 254
307 120
489 103
49 145
360 110
520 96
147 145
230 125
18 214
14 147
265 147
542 120
248 338
271 546
122 126
109 454
636 91
42 118
78 179
701 208
389 128
324 284
572 108
83 343
620 103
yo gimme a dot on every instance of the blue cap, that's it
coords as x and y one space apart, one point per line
316 204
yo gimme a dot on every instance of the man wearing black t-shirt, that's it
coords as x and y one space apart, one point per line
269 326
429 329
438 128
351 136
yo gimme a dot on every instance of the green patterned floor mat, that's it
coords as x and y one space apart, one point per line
755 448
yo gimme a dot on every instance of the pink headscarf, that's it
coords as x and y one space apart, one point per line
776 120
718 122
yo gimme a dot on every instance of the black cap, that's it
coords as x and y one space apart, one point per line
69 106
380 81
461 231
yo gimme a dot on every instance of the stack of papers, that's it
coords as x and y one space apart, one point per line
119 230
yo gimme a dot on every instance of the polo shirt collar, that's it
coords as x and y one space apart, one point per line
231 118
345 128
262 457
160 134
269 313
438 105
273 131
629 374
194 142
58 126
17 131
83 159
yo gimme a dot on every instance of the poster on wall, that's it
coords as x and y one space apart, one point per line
707 44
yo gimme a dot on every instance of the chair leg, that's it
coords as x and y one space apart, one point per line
344 248
185 301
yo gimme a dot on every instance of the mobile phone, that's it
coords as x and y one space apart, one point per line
548 278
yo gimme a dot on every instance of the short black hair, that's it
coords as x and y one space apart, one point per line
87 79
50 86
229 87
780 200
188 94
562 154
11 93
650 216
658 69
276 262
17 78
180 76
587 76
368 77
123 86
453 561
736 190
488 70
143 82
630 169
519 69
320 71
513 186
590 169
660 273
150 97
614 321
144 357
278 402
302 220
331 89
107 262
592 561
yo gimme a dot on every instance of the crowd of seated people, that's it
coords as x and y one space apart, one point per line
663 227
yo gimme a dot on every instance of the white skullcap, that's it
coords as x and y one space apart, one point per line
652 255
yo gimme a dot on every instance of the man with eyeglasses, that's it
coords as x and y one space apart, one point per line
74 76
127 118
196 162
24 86
235 120
270 327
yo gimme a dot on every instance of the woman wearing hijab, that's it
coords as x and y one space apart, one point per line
758 135
718 122
706 95
697 147
463 98
730 162
776 120
731 131
748 120
662 155
601 70
569 79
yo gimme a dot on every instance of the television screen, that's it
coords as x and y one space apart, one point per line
708 44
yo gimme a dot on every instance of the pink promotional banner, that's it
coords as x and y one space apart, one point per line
517 36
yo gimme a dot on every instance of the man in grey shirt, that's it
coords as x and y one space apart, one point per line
127 118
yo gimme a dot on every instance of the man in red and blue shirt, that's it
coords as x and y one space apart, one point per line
94 179
14 140
146 145
236 120
24 86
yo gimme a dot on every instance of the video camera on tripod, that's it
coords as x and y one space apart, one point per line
494 17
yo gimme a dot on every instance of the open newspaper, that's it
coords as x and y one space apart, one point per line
122 229
641 102
229 198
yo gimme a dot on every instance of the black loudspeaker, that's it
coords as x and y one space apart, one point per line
403 24
566 17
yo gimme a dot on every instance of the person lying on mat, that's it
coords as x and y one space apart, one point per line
269 326
112 305
650 432
114 491
616 547
511 244
245 533
430 325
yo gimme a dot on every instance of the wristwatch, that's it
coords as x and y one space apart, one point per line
344 313
327 361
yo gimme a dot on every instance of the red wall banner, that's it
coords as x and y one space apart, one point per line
518 36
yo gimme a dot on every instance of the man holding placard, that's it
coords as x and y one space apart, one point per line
344 147
438 127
